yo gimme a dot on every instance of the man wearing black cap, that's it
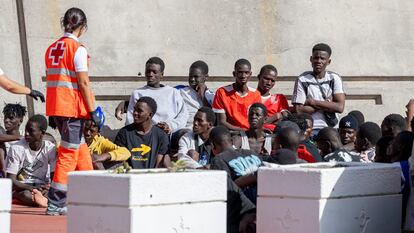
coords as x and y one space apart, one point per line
348 127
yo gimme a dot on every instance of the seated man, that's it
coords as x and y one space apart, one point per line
105 153
145 142
231 103
255 138
331 149
28 162
196 95
319 92
393 124
348 127
13 117
366 138
195 143
172 114
307 150
238 163
275 103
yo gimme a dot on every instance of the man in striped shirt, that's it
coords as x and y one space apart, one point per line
319 91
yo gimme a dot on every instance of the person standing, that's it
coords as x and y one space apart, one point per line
69 101
319 92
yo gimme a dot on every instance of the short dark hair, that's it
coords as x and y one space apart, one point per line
331 135
40 120
259 105
322 47
150 102
395 121
371 131
358 115
200 65
210 115
219 135
16 110
300 121
241 62
267 67
305 116
288 138
158 61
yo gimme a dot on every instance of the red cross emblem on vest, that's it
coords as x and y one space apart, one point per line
57 52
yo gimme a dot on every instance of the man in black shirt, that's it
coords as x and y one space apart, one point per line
147 144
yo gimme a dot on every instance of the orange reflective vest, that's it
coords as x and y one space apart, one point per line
63 97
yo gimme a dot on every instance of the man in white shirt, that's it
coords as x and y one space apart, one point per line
195 143
29 163
172 114
307 94
196 95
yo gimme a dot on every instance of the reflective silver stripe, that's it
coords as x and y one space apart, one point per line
69 145
66 84
61 71
59 186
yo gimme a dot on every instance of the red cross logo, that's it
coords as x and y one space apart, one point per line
56 53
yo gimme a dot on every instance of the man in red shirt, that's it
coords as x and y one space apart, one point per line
231 103
275 103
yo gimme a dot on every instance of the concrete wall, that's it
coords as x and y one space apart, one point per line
371 37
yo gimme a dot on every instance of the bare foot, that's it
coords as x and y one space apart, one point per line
38 198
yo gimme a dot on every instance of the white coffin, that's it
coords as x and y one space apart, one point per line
323 198
5 204
150 201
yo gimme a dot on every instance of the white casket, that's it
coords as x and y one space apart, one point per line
5 204
329 197
147 201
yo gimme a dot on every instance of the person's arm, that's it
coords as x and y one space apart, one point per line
16 88
120 110
184 144
181 114
409 113
222 120
12 86
337 104
300 108
114 152
274 118
85 89
299 98
247 180
130 110
19 186
9 138
2 162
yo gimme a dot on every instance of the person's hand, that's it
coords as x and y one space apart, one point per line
248 223
96 118
193 154
101 158
37 94
119 110
165 127
410 108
